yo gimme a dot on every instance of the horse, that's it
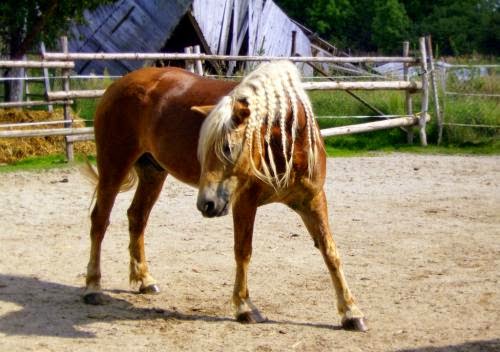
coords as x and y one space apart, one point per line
242 145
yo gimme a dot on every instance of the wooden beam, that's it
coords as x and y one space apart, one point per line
37 64
75 94
425 92
387 85
391 85
179 56
439 116
81 137
18 104
373 126
408 97
47 132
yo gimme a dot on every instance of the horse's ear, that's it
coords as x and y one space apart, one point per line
241 111
203 109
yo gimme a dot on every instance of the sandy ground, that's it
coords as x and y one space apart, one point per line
419 236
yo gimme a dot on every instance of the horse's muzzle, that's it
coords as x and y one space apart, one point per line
211 207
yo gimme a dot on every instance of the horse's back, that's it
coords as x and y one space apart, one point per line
149 110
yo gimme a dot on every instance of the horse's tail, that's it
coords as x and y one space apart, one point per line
91 174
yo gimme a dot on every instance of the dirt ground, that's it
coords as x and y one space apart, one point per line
419 236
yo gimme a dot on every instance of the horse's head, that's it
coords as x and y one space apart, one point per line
251 134
224 164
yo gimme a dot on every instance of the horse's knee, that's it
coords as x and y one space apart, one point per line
136 221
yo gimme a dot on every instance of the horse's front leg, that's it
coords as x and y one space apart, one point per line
150 185
315 216
244 211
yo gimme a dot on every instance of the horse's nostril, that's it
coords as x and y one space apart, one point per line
208 207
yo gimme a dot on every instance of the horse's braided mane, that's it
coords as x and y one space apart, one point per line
271 91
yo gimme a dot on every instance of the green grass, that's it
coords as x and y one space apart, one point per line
458 109
42 163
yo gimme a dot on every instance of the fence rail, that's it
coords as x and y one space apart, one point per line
65 61
47 132
207 57
36 64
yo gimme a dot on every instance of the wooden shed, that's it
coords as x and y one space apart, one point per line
235 27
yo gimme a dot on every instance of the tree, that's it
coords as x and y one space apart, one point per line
390 25
464 26
24 23
457 26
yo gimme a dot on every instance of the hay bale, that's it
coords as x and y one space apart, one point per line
14 149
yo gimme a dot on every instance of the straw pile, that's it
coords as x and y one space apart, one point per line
14 149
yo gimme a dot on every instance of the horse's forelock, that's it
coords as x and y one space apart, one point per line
215 127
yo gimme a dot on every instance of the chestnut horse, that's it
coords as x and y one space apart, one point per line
260 144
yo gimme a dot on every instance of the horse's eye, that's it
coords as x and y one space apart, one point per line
226 149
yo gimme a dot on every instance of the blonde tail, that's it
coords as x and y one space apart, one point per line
91 174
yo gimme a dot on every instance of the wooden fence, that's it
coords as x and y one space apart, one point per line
194 62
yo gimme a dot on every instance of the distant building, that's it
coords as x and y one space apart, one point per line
235 27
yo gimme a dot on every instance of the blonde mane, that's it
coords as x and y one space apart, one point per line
271 91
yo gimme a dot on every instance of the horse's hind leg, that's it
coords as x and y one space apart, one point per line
107 189
151 179
315 216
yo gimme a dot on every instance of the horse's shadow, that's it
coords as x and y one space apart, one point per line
44 308
50 309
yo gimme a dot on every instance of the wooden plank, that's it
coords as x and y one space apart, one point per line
81 137
386 85
198 63
390 85
373 126
70 155
75 94
189 65
37 123
425 92
408 97
37 64
18 104
46 132
224 29
46 81
439 116
209 15
179 56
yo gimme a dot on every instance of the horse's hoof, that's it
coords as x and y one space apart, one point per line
152 289
355 324
251 317
94 298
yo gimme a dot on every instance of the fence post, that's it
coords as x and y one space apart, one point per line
189 63
425 93
199 65
66 107
46 80
408 98
435 90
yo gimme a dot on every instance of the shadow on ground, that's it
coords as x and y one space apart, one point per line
44 308
473 346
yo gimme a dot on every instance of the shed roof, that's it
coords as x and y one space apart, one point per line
237 27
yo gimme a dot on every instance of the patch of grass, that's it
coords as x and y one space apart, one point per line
43 163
